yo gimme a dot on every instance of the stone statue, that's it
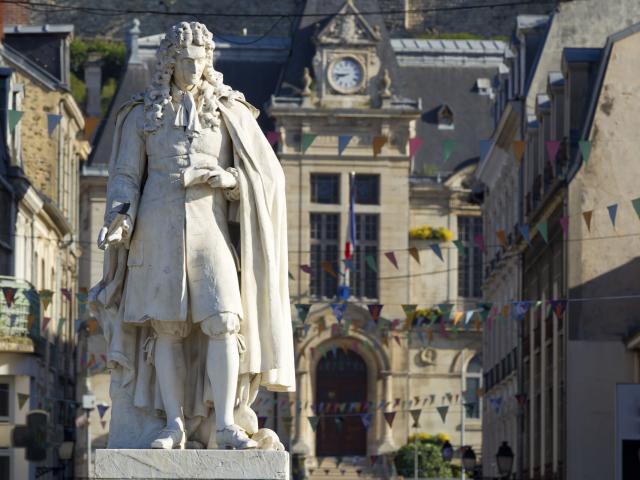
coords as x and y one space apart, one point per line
195 319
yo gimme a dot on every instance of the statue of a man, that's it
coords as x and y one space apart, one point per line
188 335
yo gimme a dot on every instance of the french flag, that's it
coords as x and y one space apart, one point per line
351 229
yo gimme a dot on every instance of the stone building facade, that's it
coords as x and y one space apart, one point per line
39 237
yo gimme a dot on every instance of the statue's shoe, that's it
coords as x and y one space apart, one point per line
169 438
234 437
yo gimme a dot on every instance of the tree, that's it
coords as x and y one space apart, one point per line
430 462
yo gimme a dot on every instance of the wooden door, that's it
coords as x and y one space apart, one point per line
341 377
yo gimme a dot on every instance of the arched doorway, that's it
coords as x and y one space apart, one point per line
341 378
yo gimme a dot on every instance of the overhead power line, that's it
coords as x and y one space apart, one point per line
48 7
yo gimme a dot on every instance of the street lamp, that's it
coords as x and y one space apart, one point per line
469 459
504 457
447 451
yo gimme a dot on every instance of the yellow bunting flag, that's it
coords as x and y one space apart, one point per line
502 238
518 146
457 317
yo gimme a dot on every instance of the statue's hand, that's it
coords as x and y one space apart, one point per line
222 179
118 235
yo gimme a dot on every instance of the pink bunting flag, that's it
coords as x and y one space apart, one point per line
306 269
392 258
66 293
552 150
564 223
374 310
479 241
45 322
414 145
9 295
273 137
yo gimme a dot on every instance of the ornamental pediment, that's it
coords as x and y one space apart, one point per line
348 27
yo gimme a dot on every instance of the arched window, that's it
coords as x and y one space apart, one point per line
473 383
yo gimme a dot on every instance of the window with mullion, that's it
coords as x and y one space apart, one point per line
364 280
324 248
470 258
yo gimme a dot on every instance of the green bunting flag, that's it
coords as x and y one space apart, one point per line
443 412
459 245
371 263
447 148
636 205
585 150
307 140
22 399
61 321
544 230
303 311
14 118
291 277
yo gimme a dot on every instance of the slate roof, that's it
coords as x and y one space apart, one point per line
456 87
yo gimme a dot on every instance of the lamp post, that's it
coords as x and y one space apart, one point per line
504 459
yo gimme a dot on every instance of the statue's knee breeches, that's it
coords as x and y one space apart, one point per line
171 329
220 325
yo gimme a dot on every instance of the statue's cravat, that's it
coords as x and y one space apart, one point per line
187 114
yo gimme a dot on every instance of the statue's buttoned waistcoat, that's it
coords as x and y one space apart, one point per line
181 263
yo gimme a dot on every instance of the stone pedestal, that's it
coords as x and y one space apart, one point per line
192 464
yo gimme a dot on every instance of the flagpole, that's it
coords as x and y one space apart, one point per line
462 413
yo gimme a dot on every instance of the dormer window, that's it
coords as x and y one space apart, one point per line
445 118
483 85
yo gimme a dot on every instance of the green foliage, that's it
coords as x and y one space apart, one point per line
112 56
430 462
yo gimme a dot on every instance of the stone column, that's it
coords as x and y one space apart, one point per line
386 441
300 444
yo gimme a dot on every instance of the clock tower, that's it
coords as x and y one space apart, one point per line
346 62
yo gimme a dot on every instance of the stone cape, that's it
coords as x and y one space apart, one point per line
192 464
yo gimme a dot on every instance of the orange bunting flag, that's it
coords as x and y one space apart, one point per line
502 238
327 267
587 218
378 143
90 124
457 317
413 251
518 146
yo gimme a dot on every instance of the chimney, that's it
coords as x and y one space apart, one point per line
93 81
132 42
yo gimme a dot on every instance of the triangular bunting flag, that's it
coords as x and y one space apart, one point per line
273 137
306 269
338 310
502 238
45 297
389 417
413 251
524 231
66 293
585 150
90 124
392 258
470 408
517 147
291 277
410 312
415 414
14 118
303 310
61 321
307 140
378 143
479 241
552 150
447 148
459 245
313 421
22 399
374 310
442 411
371 262
558 307
366 420
564 224
436 249
636 206
52 122
414 145
327 267
9 294
102 409
587 218
496 403
343 142
613 212
520 309
45 323
544 230
468 316
103 423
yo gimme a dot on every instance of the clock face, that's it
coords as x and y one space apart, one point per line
346 74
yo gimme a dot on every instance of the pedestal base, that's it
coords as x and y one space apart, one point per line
193 464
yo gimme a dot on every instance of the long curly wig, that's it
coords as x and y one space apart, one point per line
211 89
